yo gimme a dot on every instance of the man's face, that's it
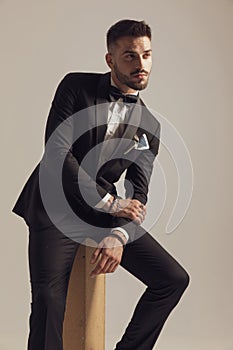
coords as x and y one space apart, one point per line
130 60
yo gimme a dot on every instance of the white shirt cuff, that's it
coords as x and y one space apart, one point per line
103 201
121 230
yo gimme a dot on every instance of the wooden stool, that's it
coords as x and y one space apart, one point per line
84 323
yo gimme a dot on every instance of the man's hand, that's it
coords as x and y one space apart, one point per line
129 208
109 252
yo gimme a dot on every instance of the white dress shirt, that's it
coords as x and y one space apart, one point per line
118 113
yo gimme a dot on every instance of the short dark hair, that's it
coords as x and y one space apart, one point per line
127 27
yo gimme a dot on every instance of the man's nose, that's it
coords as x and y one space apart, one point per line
140 63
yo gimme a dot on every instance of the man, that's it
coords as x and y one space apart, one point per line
113 111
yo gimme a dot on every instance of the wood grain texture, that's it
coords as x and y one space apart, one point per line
84 323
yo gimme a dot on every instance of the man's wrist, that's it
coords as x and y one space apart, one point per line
121 233
101 204
118 204
118 237
108 204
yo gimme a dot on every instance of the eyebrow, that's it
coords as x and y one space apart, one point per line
128 51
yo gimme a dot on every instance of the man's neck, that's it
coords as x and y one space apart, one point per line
135 92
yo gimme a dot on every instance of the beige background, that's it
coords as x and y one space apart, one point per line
191 85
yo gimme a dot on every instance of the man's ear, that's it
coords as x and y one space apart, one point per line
108 58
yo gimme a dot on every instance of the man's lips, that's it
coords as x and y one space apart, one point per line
140 75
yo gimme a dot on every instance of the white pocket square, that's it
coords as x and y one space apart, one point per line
140 144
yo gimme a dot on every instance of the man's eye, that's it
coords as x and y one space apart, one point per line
147 55
129 56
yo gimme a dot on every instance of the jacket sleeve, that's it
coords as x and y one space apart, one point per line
139 172
59 138
138 177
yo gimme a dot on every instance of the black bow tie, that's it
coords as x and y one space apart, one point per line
116 94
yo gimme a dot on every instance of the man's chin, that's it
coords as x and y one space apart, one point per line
142 86
139 86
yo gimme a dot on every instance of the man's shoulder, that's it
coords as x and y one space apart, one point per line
81 78
75 82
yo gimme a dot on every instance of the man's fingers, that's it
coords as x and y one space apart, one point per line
108 266
96 255
137 212
113 267
110 257
134 210
136 202
100 266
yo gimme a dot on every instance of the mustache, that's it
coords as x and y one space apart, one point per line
139 71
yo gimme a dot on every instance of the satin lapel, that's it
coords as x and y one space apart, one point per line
101 111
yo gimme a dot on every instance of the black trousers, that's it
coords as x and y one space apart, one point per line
51 255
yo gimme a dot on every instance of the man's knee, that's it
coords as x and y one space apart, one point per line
181 280
48 297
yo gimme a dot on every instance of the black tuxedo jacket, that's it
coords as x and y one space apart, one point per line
85 97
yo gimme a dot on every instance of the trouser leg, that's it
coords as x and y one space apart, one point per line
51 256
166 281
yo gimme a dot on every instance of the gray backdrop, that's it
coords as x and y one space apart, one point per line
191 85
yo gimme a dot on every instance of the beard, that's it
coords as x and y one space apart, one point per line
128 80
